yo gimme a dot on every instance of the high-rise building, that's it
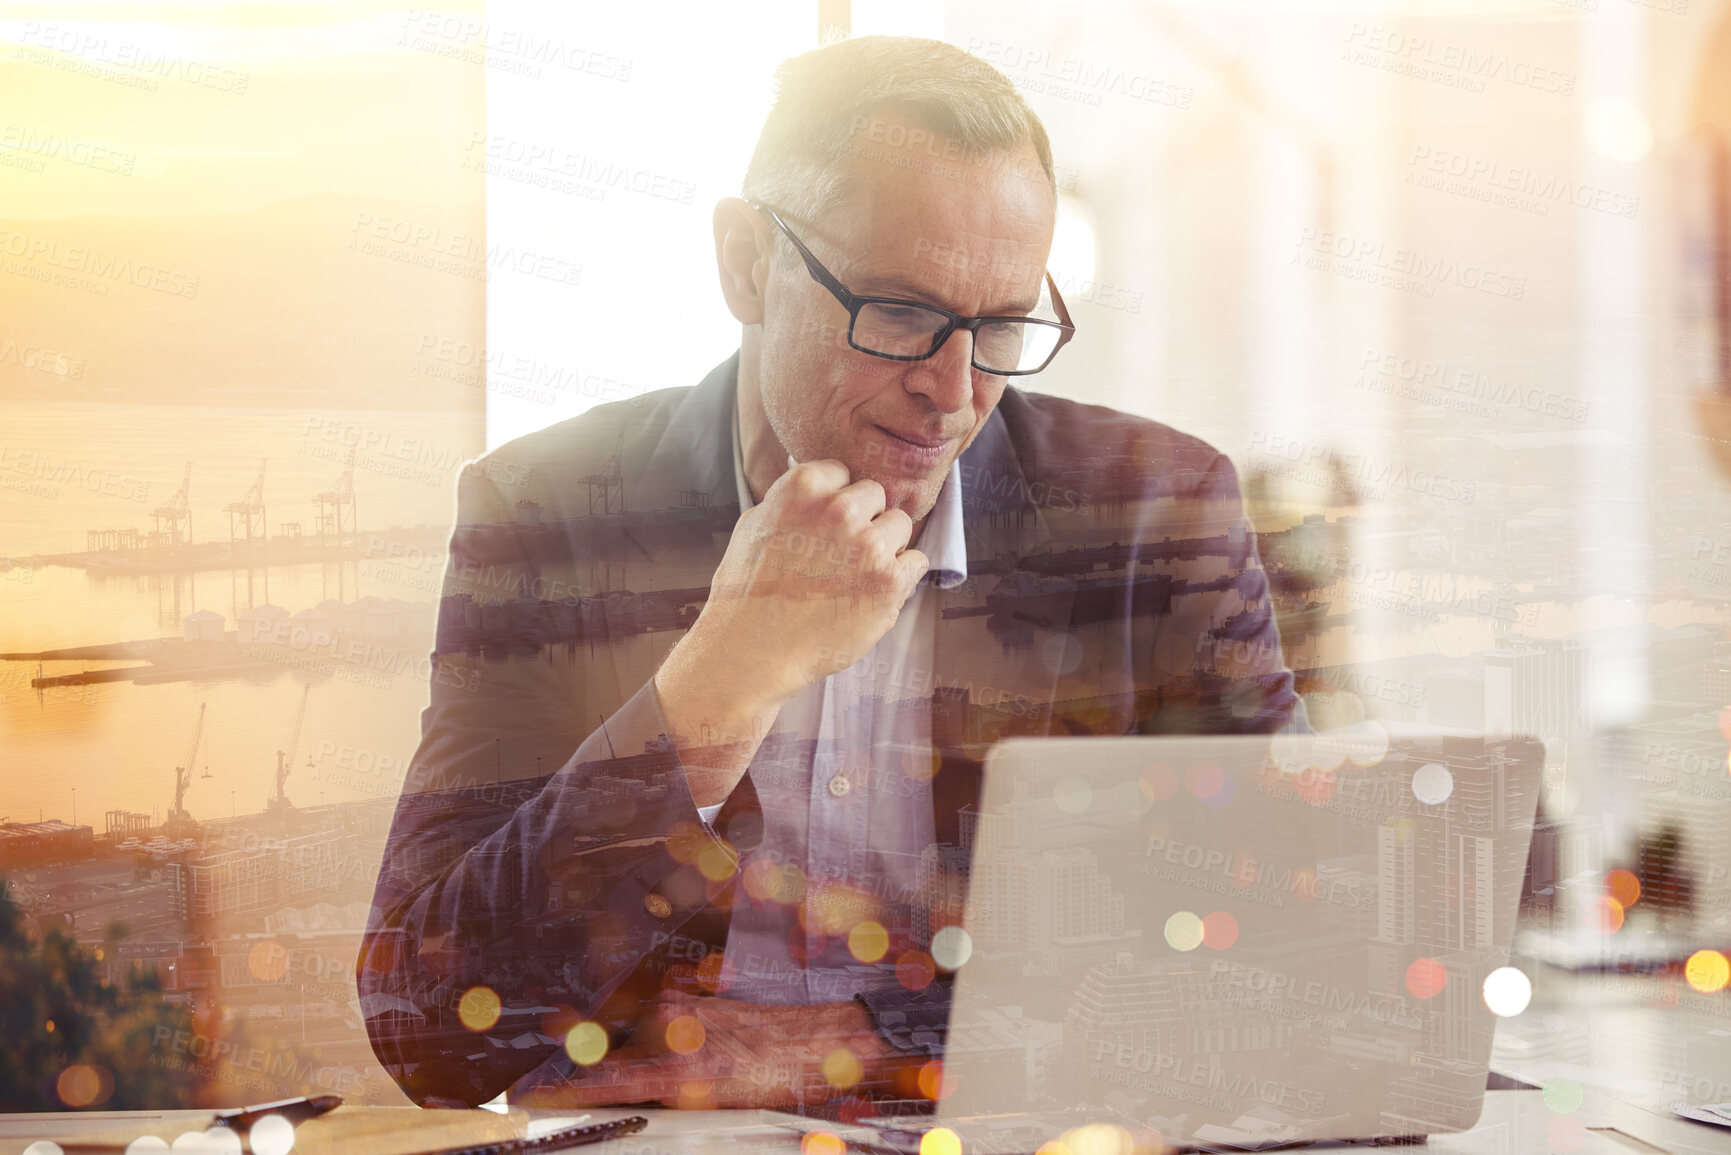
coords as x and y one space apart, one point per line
1536 686
1395 844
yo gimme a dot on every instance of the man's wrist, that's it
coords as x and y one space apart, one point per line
717 728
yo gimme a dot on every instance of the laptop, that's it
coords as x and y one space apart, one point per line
1228 943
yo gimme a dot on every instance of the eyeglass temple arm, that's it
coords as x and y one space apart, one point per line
820 274
1058 302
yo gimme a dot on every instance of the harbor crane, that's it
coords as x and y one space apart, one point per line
611 481
336 506
280 804
179 823
248 513
174 521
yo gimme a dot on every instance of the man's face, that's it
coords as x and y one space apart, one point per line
968 236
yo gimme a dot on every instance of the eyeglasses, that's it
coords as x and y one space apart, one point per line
910 331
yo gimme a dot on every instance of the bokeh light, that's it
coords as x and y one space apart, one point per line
696 1095
821 1143
685 1035
1184 931
479 1008
934 1082
1316 785
44 1147
868 941
80 1085
685 840
1425 978
147 1145
718 861
1204 778
1707 971
915 970
1219 930
586 1044
1098 1139
1507 991
213 1141
267 961
1224 792
1432 784
1623 886
272 1135
1366 743
1159 781
1564 1096
832 907
1325 752
767 882
1072 794
951 948
1606 915
940 1141
842 1068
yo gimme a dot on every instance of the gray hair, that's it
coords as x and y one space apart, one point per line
826 96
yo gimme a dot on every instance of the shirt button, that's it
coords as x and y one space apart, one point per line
838 785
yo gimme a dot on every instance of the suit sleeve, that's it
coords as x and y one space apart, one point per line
510 905
1215 659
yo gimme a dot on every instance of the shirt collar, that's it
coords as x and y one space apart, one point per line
941 539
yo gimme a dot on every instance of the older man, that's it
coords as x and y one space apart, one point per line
689 816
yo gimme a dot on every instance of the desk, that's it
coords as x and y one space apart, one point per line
1632 1044
1514 1123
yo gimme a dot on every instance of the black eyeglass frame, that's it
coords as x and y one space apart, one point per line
853 303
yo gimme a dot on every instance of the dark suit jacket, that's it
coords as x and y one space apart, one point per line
538 871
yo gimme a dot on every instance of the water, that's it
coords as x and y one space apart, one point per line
66 469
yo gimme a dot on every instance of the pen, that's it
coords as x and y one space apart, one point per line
555 1140
296 1111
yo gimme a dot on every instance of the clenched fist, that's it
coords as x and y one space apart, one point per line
814 575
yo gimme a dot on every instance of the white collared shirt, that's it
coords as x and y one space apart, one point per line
847 812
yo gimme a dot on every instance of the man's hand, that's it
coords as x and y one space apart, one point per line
699 1052
812 578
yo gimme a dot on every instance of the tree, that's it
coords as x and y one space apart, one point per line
72 1037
